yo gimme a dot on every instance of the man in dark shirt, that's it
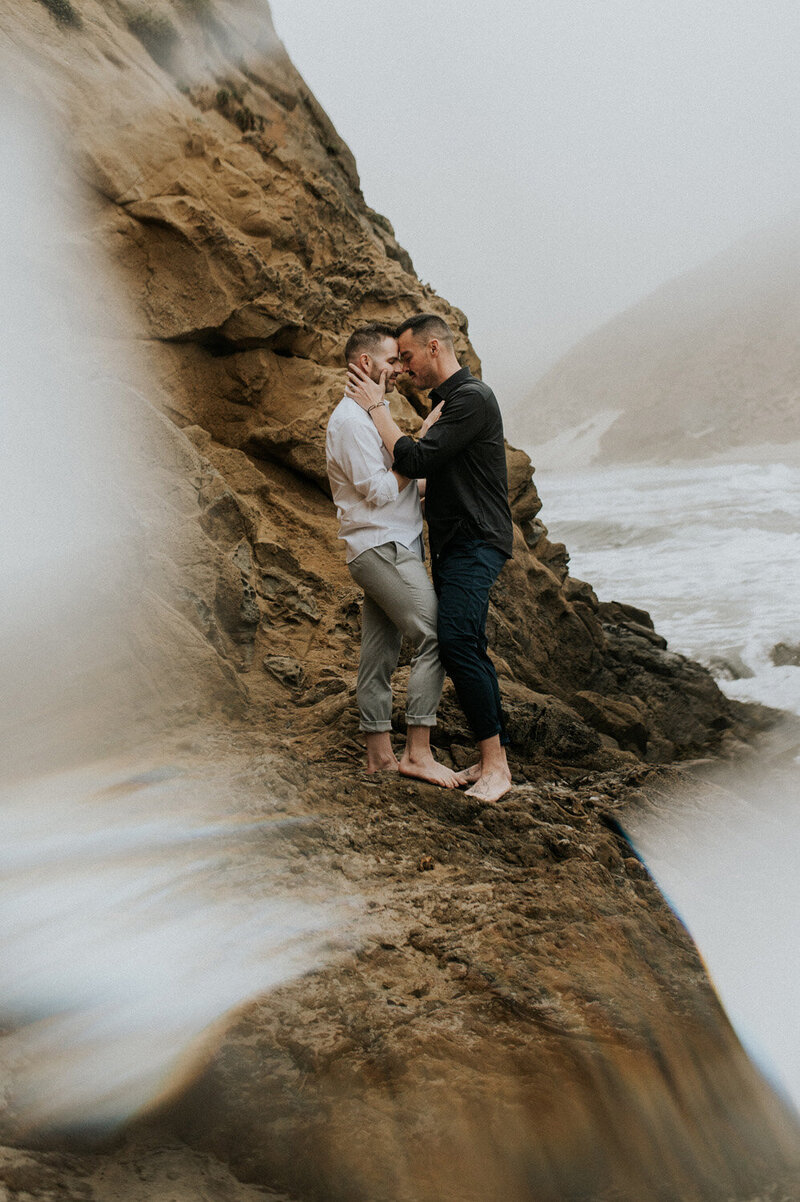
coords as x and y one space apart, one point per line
462 457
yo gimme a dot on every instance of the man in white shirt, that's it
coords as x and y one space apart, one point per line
380 522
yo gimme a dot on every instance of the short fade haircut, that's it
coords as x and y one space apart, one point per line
425 326
367 340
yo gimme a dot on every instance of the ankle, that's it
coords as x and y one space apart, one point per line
380 759
418 744
492 764
416 755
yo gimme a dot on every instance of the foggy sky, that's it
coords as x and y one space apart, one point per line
548 162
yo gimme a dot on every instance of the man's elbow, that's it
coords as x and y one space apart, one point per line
407 468
384 493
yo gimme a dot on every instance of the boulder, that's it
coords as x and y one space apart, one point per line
786 655
622 721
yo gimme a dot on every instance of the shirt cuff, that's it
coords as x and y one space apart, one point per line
384 489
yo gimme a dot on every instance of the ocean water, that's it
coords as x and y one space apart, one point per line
712 551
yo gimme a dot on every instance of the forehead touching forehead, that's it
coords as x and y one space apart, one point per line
418 331
370 340
387 349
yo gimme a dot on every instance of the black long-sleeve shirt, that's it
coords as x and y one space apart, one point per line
463 459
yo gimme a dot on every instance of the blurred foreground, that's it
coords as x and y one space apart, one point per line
138 906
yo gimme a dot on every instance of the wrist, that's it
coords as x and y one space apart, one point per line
384 404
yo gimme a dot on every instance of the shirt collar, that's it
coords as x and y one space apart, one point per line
355 405
443 390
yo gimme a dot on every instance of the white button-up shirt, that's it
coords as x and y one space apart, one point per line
370 507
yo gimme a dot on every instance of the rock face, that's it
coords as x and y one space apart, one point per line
233 213
706 363
524 991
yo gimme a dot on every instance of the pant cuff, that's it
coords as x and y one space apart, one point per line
424 720
374 728
479 736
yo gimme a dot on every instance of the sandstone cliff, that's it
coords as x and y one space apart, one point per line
707 363
233 213
526 1018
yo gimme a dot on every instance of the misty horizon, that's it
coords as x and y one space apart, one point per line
612 151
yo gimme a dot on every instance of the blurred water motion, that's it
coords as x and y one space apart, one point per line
71 472
134 913
726 854
131 919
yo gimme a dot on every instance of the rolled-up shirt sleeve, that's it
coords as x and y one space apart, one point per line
365 468
461 422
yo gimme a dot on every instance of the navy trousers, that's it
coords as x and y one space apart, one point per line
463 575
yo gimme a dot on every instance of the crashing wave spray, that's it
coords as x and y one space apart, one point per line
136 909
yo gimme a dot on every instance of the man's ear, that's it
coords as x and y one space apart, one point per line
365 362
433 347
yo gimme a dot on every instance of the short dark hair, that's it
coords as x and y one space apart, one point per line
425 326
367 339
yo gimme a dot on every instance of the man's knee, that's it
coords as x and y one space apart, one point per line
456 646
418 626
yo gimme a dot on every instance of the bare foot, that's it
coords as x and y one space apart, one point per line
491 786
468 776
427 768
382 765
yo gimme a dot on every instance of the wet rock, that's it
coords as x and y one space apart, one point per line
235 603
786 655
522 495
532 531
579 590
660 750
450 805
622 721
538 723
638 645
622 614
730 666
554 556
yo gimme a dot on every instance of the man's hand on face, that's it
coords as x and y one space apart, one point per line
362 389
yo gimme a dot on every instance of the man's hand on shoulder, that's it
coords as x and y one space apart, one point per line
364 391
